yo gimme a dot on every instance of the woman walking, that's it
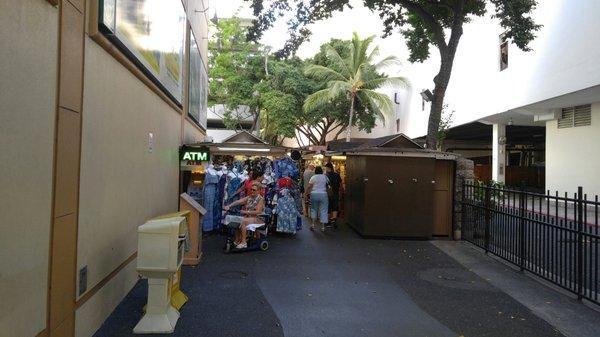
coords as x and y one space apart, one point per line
317 188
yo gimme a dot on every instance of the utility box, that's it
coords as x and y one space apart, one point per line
161 246
160 254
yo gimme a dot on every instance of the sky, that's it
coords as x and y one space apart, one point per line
477 88
340 25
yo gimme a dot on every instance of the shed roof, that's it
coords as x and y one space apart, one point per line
243 137
243 142
399 140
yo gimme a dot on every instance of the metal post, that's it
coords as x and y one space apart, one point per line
522 213
580 242
487 217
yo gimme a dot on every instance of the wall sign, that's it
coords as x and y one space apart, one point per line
198 154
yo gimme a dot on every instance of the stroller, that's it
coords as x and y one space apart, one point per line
256 237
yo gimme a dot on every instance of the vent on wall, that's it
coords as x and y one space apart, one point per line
580 115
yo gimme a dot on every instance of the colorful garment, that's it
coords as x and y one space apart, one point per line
232 187
210 194
286 167
218 206
252 202
287 213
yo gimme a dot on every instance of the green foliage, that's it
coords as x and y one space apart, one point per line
354 77
235 68
445 124
281 97
496 190
278 93
423 23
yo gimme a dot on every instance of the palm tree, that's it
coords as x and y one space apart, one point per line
355 78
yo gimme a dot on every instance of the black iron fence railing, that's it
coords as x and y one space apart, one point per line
556 237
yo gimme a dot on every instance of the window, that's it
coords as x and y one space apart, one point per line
198 81
503 52
580 115
152 35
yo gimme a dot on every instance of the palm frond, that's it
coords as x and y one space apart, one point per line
362 55
338 61
386 62
320 98
370 106
322 73
395 81
373 98
338 88
372 55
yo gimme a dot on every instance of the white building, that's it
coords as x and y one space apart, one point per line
540 87
216 128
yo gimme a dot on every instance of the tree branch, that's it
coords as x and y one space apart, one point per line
428 20
311 137
339 131
457 24
441 3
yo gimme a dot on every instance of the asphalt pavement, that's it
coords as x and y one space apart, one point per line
336 284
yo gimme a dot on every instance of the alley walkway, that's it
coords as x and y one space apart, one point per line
336 284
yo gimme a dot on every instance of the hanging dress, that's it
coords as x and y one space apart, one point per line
234 184
287 213
218 207
211 182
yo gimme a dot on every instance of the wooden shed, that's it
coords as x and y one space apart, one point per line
399 189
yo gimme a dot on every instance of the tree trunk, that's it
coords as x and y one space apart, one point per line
441 80
437 103
349 128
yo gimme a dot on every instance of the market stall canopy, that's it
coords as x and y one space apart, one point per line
242 143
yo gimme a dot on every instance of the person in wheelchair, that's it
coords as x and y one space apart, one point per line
254 206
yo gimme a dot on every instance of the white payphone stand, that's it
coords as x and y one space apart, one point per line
160 254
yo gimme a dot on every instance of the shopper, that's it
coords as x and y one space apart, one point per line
254 177
254 206
317 189
335 185
308 173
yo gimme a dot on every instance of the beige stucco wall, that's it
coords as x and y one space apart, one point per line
191 134
572 156
28 64
93 312
122 183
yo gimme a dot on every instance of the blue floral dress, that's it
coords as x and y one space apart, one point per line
211 183
234 184
286 167
287 214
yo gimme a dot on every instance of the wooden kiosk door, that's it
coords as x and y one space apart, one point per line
442 197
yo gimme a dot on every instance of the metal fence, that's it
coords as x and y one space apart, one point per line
555 237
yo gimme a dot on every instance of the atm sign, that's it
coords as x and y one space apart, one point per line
195 154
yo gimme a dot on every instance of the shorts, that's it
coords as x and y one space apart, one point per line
319 206
334 203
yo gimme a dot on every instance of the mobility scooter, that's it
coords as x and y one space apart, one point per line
256 238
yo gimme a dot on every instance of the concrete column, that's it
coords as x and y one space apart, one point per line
499 152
